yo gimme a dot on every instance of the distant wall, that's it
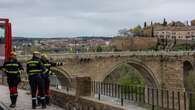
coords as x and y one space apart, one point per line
133 43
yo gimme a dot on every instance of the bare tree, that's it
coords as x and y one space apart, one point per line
124 32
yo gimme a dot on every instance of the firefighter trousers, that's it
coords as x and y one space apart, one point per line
37 82
47 90
13 84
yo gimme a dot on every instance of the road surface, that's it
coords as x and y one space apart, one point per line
24 100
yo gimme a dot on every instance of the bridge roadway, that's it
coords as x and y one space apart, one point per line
110 54
24 100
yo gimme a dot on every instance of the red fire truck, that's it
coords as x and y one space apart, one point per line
5 40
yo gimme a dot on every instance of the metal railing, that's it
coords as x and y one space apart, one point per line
55 83
152 97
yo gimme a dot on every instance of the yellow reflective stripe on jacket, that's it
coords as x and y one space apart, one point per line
47 64
32 62
12 65
35 71
12 72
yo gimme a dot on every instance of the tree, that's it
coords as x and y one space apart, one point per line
130 76
164 22
137 31
187 23
99 49
151 23
124 32
145 24
191 86
190 81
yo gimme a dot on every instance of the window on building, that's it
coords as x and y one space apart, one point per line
2 35
173 37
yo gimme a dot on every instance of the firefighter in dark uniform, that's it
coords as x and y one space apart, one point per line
35 68
13 69
45 77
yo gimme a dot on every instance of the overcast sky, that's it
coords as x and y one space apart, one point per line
69 18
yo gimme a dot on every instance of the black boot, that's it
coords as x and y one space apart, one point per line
15 99
43 101
12 105
38 101
48 100
33 104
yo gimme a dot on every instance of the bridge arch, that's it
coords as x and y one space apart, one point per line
144 70
63 77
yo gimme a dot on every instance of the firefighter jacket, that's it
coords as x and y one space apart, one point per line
47 65
12 68
35 67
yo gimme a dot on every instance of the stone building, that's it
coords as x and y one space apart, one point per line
148 31
178 33
172 31
193 22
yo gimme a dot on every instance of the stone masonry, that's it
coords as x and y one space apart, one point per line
159 69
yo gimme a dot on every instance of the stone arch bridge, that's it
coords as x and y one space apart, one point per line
159 69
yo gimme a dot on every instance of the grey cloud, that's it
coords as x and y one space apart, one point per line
89 17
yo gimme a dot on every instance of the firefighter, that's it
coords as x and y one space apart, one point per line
34 69
13 69
46 78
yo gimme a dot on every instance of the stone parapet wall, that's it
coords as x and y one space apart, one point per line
83 86
72 102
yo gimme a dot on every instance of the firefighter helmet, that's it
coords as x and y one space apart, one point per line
44 56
